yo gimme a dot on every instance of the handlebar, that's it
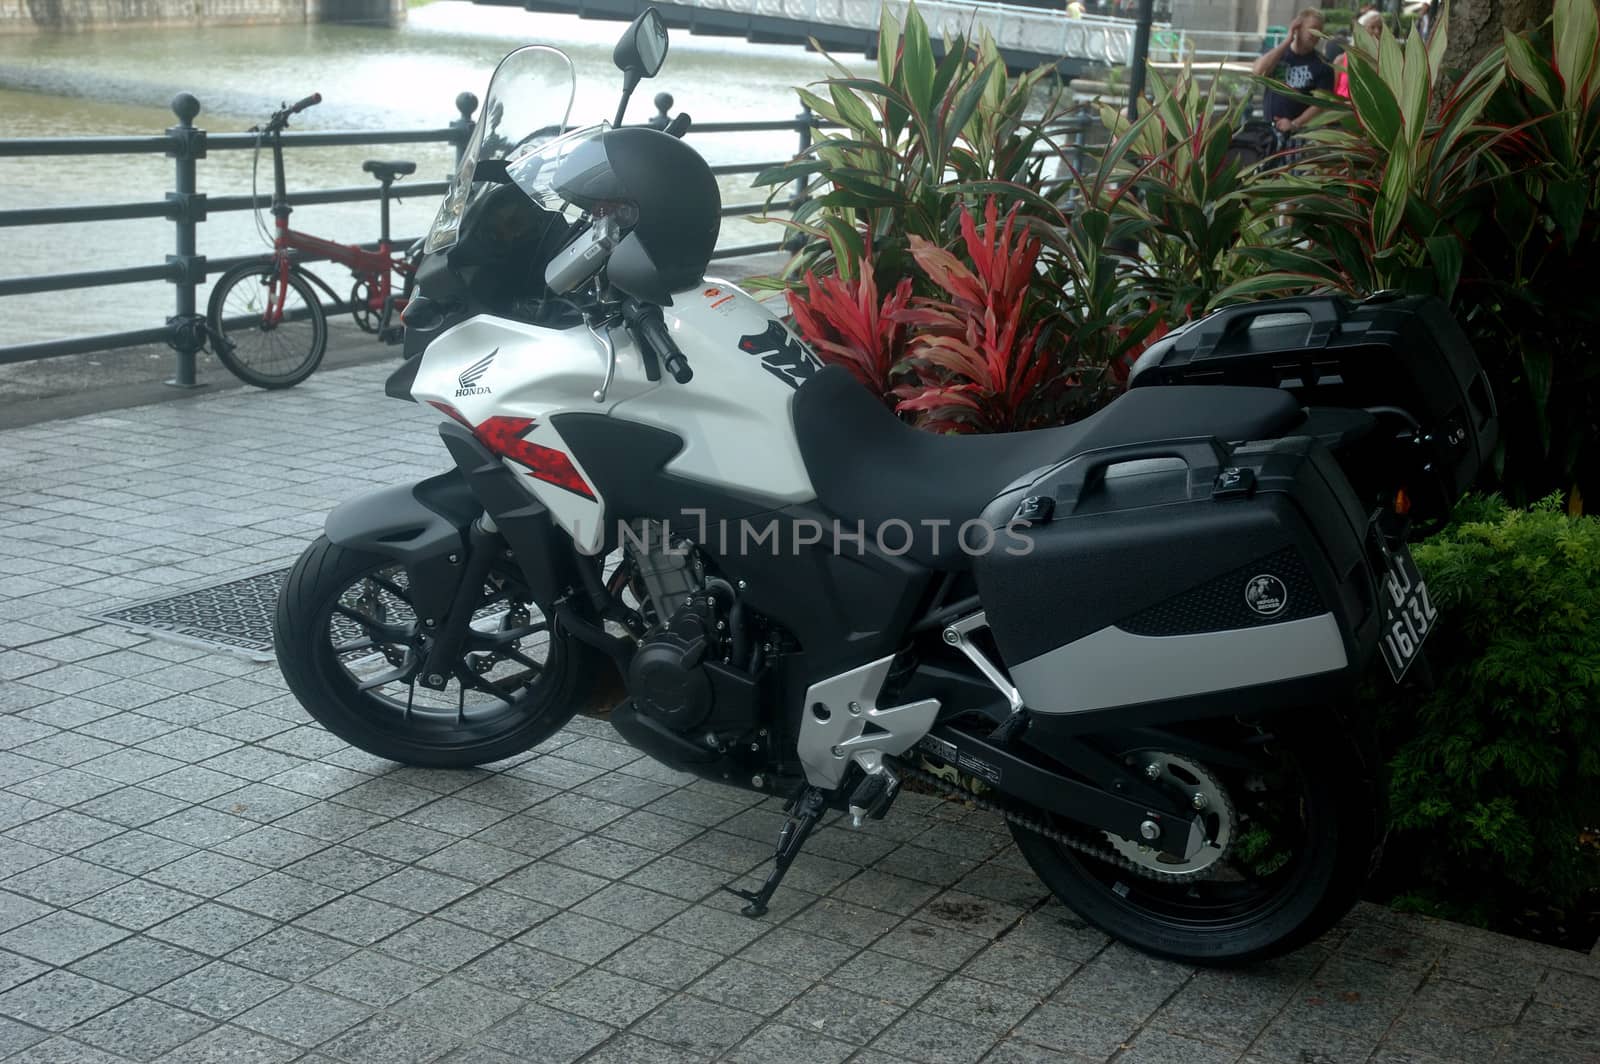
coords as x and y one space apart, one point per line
280 118
679 125
654 339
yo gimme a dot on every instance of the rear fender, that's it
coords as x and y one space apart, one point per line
420 526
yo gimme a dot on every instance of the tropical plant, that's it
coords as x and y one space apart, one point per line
1495 774
1482 190
908 146
846 322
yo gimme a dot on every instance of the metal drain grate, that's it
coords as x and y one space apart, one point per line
235 616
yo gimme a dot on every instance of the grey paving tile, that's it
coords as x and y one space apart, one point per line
193 784
15 910
206 873
64 1051
497 913
397 841
199 826
477 861
227 1044
137 905
58 1000
697 1025
887 978
16 969
418 889
64 832
343 868
1123 982
651 830
840 1014
831 918
580 938
546 1034
279 896
1035 973
64 881
630 906
220 990
603 857
270 847
661 961
211 929
15 1037
135 852
1088 1034
748 986
138 964
1294 1040
519 970
437 944
260 802
261 765
807 957
506 793
994 1008
604 996
131 807
356 920
391 1039
304 1016
141 1029
780 1042
552 884
922 1036
713 929
455 1005
454 816
291 953
67 748
374 979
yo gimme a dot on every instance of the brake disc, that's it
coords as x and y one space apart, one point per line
1204 793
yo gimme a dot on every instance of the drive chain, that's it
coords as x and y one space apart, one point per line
1024 820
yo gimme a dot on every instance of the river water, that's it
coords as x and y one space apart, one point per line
120 82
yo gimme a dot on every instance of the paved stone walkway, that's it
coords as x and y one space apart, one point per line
190 871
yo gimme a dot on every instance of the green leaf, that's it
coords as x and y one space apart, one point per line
1393 192
1567 201
1376 107
1391 62
1530 69
1576 32
917 63
820 106
964 109
1414 89
1278 283
888 44
1438 41
854 111
1445 253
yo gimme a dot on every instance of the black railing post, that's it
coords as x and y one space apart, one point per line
803 120
662 118
187 270
466 103
1141 53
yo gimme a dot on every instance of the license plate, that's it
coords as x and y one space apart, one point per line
1408 615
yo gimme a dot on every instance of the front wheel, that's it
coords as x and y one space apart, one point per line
1292 826
350 646
266 324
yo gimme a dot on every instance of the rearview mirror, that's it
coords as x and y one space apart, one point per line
643 46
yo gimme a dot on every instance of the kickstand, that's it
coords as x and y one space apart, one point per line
806 810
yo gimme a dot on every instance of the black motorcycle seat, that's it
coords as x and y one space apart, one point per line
387 170
867 465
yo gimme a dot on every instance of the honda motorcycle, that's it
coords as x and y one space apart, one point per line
1135 637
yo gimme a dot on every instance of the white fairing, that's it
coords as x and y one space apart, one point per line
734 416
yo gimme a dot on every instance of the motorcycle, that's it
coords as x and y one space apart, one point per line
1136 637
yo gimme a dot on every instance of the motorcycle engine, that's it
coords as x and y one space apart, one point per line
666 679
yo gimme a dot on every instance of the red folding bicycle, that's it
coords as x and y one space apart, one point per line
265 320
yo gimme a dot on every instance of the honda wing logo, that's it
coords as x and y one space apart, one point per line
472 374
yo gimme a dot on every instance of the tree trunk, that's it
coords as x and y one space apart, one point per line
1476 27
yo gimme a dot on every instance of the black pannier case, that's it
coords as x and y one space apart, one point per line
1180 575
1403 360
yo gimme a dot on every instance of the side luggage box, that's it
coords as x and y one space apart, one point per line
1402 362
1180 579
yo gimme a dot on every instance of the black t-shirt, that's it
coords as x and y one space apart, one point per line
1302 73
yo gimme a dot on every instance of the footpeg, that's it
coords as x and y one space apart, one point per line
873 796
805 811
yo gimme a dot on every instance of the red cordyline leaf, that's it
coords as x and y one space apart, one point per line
982 343
849 325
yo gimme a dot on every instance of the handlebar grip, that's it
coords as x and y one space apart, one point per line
310 101
679 125
657 336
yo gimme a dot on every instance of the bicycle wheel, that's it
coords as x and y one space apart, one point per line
269 332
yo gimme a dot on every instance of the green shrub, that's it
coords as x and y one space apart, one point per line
1495 775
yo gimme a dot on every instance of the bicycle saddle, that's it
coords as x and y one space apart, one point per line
388 170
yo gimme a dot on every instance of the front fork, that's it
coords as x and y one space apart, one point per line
450 632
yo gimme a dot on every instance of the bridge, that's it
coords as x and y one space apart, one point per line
1027 36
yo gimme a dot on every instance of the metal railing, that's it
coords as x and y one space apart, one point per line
187 208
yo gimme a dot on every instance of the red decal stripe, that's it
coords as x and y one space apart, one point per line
504 436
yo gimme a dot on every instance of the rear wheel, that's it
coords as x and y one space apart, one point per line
1291 822
267 327
350 646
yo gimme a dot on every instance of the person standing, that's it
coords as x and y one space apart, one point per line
1296 63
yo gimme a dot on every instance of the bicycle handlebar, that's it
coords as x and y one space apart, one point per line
280 118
